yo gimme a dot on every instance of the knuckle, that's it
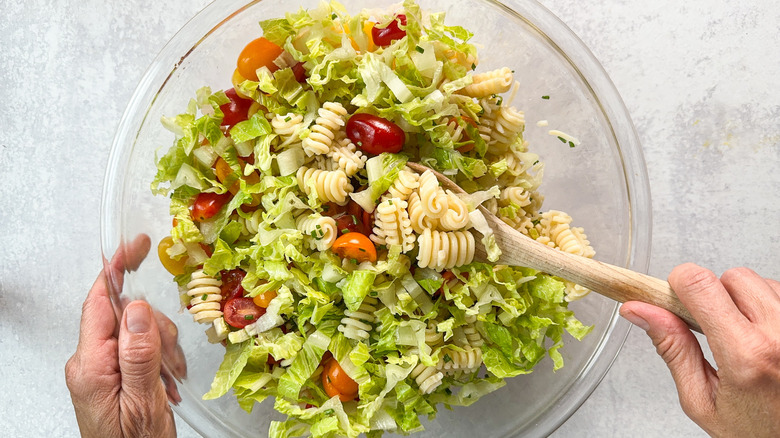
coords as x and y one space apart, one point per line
736 274
696 279
139 353
72 373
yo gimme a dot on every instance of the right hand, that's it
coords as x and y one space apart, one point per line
740 316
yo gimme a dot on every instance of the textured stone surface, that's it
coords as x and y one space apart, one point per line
700 80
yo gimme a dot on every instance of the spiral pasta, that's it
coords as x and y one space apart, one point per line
392 224
491 82
457 215
205 297
419 219
331 118
288 127
427 378
357 325
250 225
403 186
441 250
346 156
331 186
433 200
509 123
320 231
555 231
466 361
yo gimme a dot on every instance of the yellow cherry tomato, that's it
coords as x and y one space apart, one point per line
336 382
258 53
264 299
175 267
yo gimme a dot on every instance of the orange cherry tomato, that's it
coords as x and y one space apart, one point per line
355 246
336 382
224 173
175 267
264 299
258 53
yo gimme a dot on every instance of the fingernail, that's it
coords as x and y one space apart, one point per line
138 318
637 320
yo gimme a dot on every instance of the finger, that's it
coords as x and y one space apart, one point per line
97 317
706 298
128 256
775 285
172 353
676 344
139 353
752 294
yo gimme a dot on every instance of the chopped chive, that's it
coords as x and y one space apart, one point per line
536 162
390 201
313 234
571 144
447 358
319 227
362 249
473 66
248 317
204 297
419 49
354 219
563 140
333 16
355 261
329 412
546 97
360 143
325 207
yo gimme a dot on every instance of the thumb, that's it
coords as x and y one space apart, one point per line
677 345
139 351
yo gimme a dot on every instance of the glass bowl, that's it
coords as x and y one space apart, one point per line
602 183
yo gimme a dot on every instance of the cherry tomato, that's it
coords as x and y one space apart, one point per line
299 72
207 205
470 145
363 216
236 110
333 210
207 249
236 80
336 382
347 223
384 37
264 299
175 267
374 135
225 175
355 246
231 284
258 53
240 312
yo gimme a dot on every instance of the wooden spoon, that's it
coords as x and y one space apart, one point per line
613 282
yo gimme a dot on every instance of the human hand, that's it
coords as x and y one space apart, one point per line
740 316
114 376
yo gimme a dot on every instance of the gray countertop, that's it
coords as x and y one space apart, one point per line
701 80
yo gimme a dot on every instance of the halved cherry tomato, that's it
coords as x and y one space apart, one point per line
355 246
348 223
258 53
336 382
374 135
207 205
363 216
300 72
231 284
236 110
470 145
264 299
240 312
225 175
207 249
385 36
175 267
332 209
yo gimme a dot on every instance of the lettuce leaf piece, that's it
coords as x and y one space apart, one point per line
236 356
356 288
304 364
382 171
256 126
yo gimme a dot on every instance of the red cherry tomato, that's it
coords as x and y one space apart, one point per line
333 210
355 246
236 110
231 284
374 135
384 37
299 72
240 312
207 205
347 223
336 382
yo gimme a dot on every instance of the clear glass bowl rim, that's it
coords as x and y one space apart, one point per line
557 34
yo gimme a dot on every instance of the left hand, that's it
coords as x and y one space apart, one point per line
114 380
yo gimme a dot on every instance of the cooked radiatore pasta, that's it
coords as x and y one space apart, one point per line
346 157
517 196
509 123
392 225
473 337
555 230
457 215
288 127
320 231
441 250
357 325
427 378
488 83
419 219
466 361
404 185
206 295
328 185
433 200
332 117
433 337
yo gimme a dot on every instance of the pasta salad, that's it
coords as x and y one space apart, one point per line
341 282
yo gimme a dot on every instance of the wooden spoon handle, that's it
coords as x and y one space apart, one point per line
614 282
